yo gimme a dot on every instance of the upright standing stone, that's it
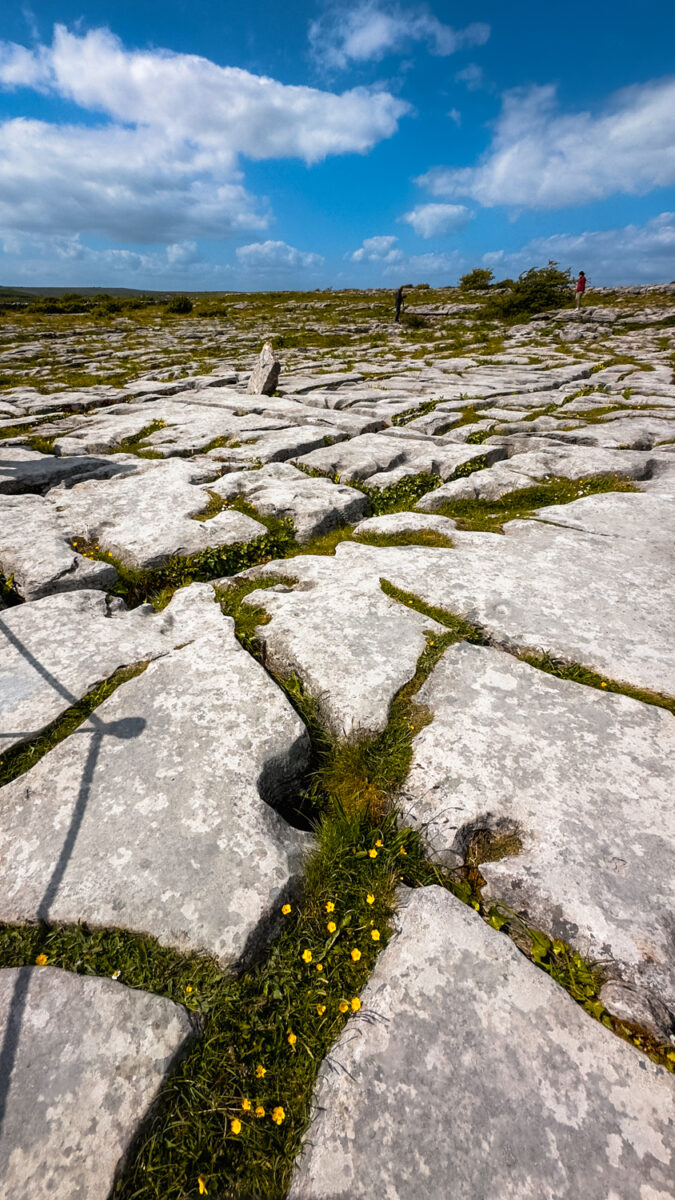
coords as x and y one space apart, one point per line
265 374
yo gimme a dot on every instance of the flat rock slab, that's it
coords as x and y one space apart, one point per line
156 815
352 646
148 517
314 505
534 466
380 460
583 777
36 553
24 470
652 520
393 524
622 432
278 444
550 588
56 649
86 1058
470 1074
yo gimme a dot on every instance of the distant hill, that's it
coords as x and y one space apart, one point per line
18 292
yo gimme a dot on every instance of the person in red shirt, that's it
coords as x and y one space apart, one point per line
581 287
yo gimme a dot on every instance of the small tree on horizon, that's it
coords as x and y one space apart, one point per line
476 280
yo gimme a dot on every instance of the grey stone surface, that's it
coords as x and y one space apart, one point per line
147 517
583 777
86 1058
406 522
314 505
158 814
56 649
24 470
36 554
265 374
470 1074
532 467
380 460
352 646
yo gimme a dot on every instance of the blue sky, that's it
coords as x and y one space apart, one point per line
215 145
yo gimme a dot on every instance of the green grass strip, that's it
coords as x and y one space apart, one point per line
19 759
490 515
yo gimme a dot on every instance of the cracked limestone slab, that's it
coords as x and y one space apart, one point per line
278 445
314 505
470 1074
652 518
580 596
145 518
159 814
583 777
36 553
622 432
380 459
24 470
352 646
88 1057
56 649
392 524
534 466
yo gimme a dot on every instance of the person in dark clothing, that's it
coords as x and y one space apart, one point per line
399 303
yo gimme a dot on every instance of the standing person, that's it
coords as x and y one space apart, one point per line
581 287
399 303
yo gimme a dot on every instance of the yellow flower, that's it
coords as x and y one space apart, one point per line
278 1115
375 935
403 850
292 1039
285 908
356 1004
321 1008
115 974
356 954
246 1104
188 989
344 1007
41 960
372 853
603 685
330 907
370 899
260 1072
331 927
307 956
378 843
235 1126
319 966
260 1111
203 1190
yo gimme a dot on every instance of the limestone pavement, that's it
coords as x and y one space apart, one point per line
172 809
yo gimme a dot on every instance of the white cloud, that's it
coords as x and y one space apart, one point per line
269 255
540 158
630 254
68 260
370 30
442 268
380 249
456 116
163 163
431 220
471 75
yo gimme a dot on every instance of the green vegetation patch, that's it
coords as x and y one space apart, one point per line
19 759
137 443
490 515
156 585
579 674
410 537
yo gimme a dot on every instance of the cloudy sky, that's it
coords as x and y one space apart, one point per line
207 144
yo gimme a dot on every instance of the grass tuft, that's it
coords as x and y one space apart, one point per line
489 516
